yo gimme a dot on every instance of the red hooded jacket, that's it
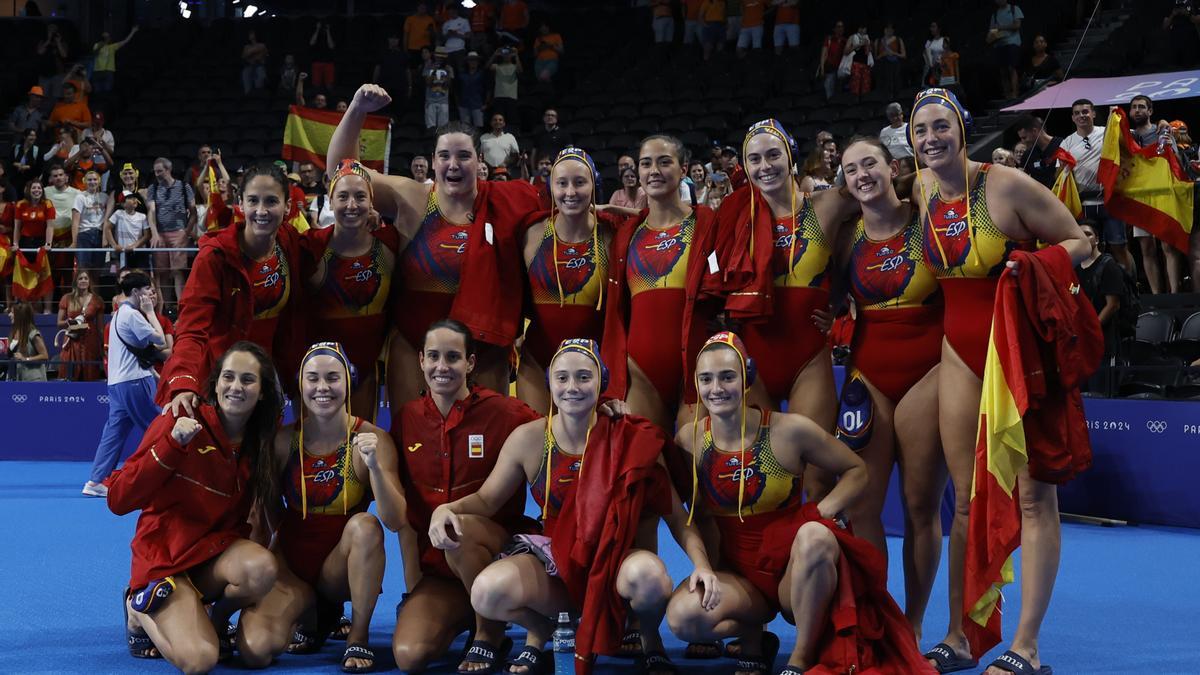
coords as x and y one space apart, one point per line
217 310
744 250
194 499
622 481
703 287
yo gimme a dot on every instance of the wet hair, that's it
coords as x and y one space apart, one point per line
681 152
873 141
456 326
135 279
259 435
270 170
458 127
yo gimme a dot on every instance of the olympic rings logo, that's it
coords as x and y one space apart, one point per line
20 398
102 398
1156 426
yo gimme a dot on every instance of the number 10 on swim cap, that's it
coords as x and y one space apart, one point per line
475 446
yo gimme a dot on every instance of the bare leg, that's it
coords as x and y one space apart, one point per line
517 589
1194 258
436 610
492 367
531 384
239 577
958 418
923 480
354 570
1150 263
1175 262
643 582
182 631
482 540
815 396
741 614
879 455
364 400
644 400
1041 543
807 588
266 628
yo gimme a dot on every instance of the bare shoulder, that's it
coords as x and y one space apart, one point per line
686 435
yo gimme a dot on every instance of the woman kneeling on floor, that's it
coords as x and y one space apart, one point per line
597 479
196 481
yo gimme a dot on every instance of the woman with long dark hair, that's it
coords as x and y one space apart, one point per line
197 480
81 315
26 345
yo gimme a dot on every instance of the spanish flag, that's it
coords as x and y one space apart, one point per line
32 281
1065 187
216 203
306 137
1145 188
6 258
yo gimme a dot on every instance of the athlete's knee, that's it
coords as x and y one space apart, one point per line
365 532
495 590
643 580
195 656
413 656
1035 505
814 546
258 571
687 620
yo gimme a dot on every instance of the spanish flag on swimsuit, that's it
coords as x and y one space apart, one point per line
306 137
32 281
1065 187
1144 188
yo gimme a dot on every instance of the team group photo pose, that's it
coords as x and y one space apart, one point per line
719 350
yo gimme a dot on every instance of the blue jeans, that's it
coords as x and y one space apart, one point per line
90 260
129 403
253 77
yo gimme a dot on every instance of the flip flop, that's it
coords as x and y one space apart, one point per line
791 670
631 645
140 644
764 663
357 651
304 642
485 653
1015 663
342 630
657 662
704 650
947 661
531 658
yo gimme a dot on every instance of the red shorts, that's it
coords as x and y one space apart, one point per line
306 543
784 344
895 348
759 548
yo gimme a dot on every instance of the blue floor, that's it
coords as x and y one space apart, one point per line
1125 600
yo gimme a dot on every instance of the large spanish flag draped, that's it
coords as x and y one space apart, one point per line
6 258
1144 188
32 281
1065 187
306 137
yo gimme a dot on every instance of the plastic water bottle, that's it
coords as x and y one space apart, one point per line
564 645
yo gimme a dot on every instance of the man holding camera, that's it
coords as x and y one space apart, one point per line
136 343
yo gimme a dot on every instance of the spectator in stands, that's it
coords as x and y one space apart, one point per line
733 22
319 101
28 116
627 162
419 33
439 77
103 137
499 147
499 174
71 109
712 13
58 153
890 56
104 69
25 345
171 210
483 20
26 158
818 171
471 91
51 62
310 183
1039 160
698 176
895 135
136 334
732 166
484 172
547 50
862 60
831 59
949 70
80 313
1004 157
751 34
692 25
514 20
1019 151
320 52
1102 281
419 168
288 74
505 65
1147 133
127 229
630 198
62 196
32 217
787 24
717 188
662 22
254 64
456 30
87 224
550 138
196 171
90 155
935 45
1004 34
1182 25
393 74
1041 67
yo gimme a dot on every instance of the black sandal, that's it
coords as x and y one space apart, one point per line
1015 663
304 642
342 630
764 663
227 643
139 643
531 658
357 651
791 670
657 662
485 653
631 644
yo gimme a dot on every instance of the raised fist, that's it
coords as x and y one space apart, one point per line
185 430
370 97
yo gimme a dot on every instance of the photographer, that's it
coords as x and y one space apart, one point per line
89 155
136 342
1181 26
505 64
